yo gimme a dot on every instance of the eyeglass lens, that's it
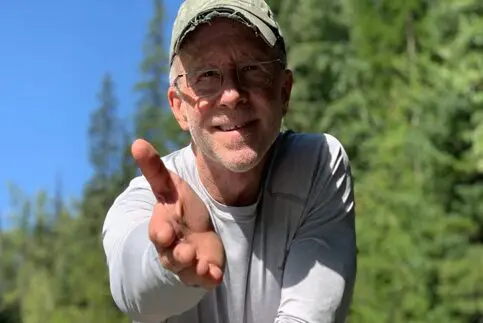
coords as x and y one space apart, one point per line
253 75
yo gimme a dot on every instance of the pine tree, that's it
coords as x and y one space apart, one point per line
397 83
106 140
104 134
153 118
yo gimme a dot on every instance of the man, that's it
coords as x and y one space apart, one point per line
248 223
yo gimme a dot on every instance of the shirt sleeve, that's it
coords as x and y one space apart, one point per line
139 285
320 268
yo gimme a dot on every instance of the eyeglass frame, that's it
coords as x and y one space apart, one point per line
222 75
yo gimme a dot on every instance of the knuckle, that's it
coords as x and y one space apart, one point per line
172 261
178 251
152 232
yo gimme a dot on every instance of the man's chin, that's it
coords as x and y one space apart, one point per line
240 161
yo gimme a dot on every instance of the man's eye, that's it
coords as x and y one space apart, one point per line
209 74
249 68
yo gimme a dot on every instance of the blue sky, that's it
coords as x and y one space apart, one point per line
53 56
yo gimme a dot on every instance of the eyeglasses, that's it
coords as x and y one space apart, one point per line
209 82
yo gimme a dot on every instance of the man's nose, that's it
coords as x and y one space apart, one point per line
232 92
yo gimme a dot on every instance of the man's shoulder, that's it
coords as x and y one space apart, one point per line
299 159
301 147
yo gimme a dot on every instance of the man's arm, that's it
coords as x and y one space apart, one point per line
320 269
140 286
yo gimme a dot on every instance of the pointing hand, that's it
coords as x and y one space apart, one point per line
180 227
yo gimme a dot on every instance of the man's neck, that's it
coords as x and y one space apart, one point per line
228 187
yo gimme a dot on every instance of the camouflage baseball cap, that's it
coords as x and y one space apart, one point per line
254 13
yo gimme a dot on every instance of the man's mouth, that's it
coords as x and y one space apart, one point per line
230 128
234 127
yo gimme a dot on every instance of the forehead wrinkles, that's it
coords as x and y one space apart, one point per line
230 52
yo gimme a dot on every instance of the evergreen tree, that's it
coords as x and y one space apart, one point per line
153 119
104 134
106 140
399 83
396 82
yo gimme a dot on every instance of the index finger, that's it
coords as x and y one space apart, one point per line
152 167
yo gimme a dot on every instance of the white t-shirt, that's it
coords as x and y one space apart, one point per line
291 257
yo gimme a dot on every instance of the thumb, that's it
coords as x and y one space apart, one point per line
152 167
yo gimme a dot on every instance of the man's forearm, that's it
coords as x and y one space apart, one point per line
140 286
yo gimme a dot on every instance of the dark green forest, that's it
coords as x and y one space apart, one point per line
400 83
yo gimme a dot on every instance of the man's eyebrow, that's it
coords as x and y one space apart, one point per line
200 64
193 61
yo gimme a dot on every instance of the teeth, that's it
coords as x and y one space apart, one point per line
230 128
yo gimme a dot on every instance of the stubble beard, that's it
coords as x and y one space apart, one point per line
248 160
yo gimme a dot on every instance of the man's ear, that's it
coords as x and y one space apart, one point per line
286 90
179 112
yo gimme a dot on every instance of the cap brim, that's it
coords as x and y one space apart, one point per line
266 32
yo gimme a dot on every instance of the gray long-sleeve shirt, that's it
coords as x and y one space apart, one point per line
291 257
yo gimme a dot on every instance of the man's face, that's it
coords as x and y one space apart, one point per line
236 125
